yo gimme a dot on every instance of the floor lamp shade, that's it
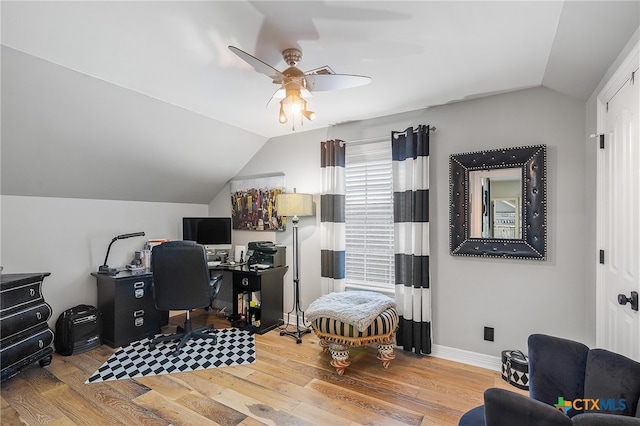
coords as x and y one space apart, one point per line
294 204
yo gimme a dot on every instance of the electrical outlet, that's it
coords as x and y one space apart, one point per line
488 334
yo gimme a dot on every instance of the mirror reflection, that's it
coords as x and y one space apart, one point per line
495 203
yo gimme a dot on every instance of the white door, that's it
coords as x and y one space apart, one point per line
619 216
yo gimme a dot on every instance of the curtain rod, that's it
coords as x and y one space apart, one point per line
404 132
376 139
381 138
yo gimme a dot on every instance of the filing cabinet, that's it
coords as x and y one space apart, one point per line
25 336
128 309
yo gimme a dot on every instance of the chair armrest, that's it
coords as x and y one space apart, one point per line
506 408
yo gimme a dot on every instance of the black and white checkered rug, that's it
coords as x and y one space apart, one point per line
233 347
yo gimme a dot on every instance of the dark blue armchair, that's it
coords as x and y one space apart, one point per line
596 387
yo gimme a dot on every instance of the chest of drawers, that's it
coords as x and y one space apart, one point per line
128 309
25 336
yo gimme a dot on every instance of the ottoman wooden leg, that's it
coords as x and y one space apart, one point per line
324 345
339 357
385 352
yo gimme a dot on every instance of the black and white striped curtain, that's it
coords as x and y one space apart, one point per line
332 228
411 236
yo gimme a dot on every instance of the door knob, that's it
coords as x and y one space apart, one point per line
633 300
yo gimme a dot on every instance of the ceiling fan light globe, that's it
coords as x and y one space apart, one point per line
296 106
282 117
310 115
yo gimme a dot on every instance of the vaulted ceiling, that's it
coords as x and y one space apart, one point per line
134 100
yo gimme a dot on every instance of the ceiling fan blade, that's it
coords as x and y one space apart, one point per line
279 94
319 82
259 66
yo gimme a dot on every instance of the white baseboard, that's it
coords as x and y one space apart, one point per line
452 354
467 357
290 319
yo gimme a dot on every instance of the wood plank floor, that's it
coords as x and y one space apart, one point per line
289 384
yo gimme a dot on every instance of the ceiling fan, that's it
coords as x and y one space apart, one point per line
295 83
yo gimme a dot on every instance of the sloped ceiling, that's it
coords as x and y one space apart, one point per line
144 100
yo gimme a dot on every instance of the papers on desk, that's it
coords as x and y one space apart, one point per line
261 266
214 263
232 264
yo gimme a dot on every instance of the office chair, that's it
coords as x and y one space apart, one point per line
181 282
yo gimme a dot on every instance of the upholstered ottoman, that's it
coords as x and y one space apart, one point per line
354 318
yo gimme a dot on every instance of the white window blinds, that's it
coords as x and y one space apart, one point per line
369 216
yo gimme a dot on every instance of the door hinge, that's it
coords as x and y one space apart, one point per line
601 137
633 77
606 107
602 257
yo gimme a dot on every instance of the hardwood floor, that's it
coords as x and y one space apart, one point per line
289 384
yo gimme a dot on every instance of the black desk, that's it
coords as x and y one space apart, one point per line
129 313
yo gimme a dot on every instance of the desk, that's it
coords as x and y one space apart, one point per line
129 313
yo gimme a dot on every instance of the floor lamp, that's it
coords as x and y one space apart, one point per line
295 205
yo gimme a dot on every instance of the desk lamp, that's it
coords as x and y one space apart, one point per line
104 268
295 205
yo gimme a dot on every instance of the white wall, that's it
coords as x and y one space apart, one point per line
298 157
69 238
516 297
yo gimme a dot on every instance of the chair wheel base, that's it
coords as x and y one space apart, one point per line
183 337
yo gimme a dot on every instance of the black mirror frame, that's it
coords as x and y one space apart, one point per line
533 161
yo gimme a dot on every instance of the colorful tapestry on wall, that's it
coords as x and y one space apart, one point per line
253 203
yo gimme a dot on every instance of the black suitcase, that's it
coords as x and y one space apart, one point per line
78 329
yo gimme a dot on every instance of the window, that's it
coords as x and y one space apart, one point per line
369 217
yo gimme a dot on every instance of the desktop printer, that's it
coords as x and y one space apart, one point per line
266 253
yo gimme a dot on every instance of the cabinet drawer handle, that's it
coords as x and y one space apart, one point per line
40 344
38 316
245 281
32 292
139 293
138 322
138 313
139 284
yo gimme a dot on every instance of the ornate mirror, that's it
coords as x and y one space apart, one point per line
498 203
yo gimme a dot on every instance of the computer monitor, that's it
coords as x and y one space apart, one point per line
208 231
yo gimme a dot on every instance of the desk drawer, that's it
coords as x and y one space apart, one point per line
134 294
135 325
246 282
135 289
